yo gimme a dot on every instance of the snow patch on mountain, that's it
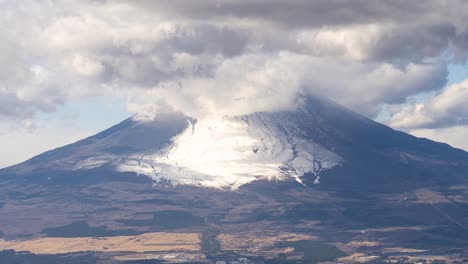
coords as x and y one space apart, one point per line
228 152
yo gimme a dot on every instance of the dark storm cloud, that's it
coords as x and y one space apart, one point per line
299 13
419 29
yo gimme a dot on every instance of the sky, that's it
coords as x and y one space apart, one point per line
70 68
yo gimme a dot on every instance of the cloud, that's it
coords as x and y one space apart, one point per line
388 29
447 108
270 82
227 57
455 136
304 13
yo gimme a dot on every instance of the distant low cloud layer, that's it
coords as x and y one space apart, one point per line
235 57
447 108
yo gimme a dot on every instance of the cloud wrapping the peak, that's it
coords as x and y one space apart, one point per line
275 82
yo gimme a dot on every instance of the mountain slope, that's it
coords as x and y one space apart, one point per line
129 136
375 154
320 142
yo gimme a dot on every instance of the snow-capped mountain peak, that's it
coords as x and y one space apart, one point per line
320 142
228 152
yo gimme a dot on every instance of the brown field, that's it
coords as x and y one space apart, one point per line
430 258
357 258
354 245
389 229
261 243
148 242
402 250
425 196
174 258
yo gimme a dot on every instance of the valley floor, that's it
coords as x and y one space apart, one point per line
135 222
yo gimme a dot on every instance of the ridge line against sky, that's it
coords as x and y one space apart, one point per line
71 68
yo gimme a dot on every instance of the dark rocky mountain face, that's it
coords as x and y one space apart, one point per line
376 156
383 194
